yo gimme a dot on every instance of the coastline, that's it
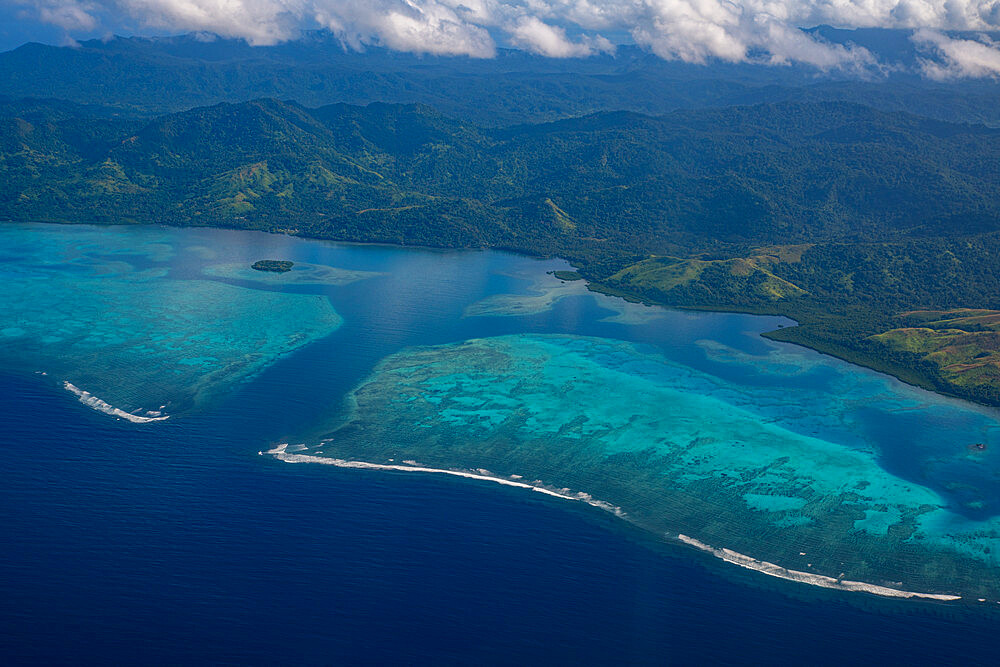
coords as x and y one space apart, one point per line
903 374
791 335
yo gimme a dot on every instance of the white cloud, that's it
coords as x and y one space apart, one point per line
425 26
958 58
69 15
690 30
256 21
538 37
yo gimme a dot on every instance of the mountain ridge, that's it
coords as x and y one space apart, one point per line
151 76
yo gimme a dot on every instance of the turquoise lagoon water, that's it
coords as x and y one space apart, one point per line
113 314
688 422
682 451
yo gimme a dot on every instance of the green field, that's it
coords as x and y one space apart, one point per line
964 344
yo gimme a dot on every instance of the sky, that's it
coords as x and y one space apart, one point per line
696 31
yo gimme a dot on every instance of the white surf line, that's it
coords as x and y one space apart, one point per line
727 555
281 454
813 579
92 401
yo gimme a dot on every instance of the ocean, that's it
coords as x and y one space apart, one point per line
175 542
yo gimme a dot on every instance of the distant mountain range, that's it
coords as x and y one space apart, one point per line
149 76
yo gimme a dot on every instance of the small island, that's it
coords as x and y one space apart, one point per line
272 265
568 276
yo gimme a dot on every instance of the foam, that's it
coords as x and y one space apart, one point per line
280 452
94 402
810 578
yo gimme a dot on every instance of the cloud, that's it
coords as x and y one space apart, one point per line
538 37
958 58
697 31
68 15
427 26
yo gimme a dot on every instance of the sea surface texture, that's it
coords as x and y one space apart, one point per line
514 460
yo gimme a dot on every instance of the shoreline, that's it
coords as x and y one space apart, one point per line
787 336
280 452
95 403
591 284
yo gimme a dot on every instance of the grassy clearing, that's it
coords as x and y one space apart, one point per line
963 343
722 278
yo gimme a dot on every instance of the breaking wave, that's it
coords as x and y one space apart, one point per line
95 403
281 453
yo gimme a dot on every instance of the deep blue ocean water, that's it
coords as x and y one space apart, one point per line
175 543
132 545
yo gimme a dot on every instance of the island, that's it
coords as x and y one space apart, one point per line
272 265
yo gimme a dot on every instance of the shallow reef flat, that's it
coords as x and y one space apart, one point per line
546 290
680 451
98 312
542 293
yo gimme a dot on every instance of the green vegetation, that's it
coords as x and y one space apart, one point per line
720 279
964 344
272 265
836 215
568 276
